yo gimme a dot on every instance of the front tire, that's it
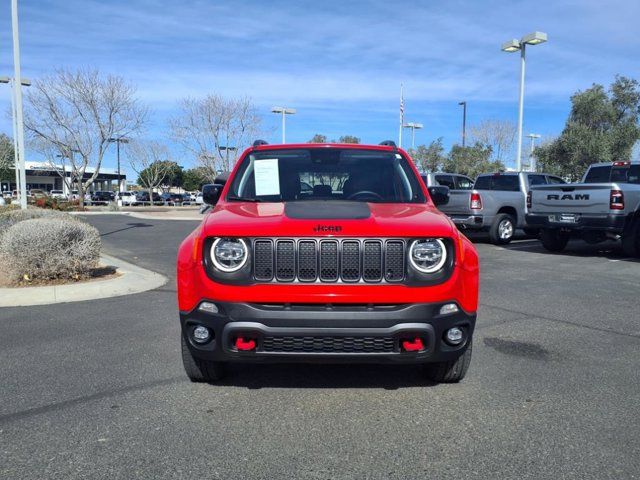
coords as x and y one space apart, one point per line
452 371
199 370
502 229
554 240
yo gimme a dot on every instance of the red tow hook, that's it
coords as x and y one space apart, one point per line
413 346
245 345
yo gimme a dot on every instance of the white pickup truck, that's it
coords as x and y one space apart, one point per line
606 205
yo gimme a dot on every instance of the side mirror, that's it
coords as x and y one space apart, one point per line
211 193
439 194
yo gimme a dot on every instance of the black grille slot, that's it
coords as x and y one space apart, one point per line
372 261
350 271
307 261
394 261
329 260
327 344
263 260
285 260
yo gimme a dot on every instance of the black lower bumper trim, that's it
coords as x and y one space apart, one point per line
612 223
328 333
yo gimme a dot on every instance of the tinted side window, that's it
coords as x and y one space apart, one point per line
628 174
483 183
464 183
598 174
506 183
446 181
555 180
537 180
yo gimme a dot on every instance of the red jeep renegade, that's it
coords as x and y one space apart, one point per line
326 253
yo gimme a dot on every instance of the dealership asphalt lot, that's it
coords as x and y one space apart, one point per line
96 389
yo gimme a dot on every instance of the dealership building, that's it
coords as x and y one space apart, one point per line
44 176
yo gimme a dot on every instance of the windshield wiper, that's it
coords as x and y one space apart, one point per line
233 198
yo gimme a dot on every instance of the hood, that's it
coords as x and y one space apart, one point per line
326 218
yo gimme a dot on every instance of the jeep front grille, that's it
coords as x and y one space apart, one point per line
328 260
327 344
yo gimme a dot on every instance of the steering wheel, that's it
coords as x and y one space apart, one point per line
369 193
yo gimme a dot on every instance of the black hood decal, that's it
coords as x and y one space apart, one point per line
327 210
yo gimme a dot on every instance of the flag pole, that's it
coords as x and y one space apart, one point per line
401 116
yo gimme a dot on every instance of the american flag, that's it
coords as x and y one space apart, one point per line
401 102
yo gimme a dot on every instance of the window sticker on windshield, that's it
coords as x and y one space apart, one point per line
267 177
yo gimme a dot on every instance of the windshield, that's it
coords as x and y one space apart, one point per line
326 174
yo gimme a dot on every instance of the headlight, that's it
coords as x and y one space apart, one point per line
229 254
427 255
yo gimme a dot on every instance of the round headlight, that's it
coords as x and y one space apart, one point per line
229 254
428 255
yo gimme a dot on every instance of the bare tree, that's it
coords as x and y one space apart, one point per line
150 160
497 134
208 126
71 115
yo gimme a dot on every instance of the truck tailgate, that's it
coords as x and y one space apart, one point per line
580 198
458 203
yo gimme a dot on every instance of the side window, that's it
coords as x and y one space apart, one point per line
506 183
464 183
537 180
555 180
483 183
598 174
446 181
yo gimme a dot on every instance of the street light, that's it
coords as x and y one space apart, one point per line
533 137
16 163
511 46
226 149
413 126
464 122
118 141
284 112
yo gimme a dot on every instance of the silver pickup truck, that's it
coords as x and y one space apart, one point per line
496 203
606 205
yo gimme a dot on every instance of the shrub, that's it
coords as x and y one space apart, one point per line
10 216
50 248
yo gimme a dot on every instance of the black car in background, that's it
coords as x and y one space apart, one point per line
102 197
143 196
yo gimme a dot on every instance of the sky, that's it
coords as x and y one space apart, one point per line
340 64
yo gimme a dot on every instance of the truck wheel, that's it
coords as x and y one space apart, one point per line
199 370
502 229
553 240
631 239
452 371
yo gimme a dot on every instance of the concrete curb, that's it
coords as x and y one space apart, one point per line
132 280
142 216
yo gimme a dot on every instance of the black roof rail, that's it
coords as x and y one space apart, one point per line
257 143
389 143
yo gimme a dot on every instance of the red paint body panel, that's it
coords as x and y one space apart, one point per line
244 219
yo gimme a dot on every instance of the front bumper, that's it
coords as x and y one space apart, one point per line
607 222
327 333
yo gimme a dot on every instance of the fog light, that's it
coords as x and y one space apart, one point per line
448 308
208 307
201 334
454 336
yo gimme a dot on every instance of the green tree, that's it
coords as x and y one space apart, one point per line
602 127
429 158
472 160
6 158
348 139
318 138
195 178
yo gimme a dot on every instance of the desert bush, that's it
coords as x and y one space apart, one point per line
11 216
50 248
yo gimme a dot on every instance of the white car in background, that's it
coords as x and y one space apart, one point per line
127 198
57 194
199 200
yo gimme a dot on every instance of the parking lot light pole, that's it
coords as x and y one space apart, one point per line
118 141
284 111
16 163
413 126
227 150
464 122
535 38
18 119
